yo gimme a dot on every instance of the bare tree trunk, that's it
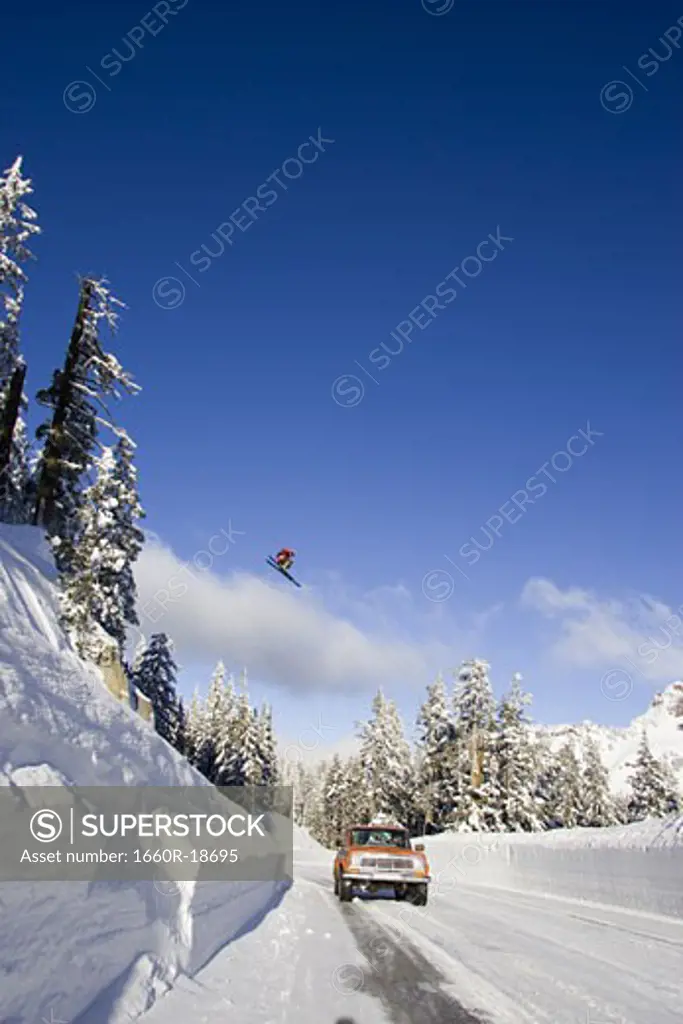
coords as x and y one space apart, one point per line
54 445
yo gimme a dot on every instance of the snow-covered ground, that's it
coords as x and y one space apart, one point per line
75 951
576 927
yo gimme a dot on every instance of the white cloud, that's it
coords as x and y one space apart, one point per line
287 637
642 632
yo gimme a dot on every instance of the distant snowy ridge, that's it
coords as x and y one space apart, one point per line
618 745
87 953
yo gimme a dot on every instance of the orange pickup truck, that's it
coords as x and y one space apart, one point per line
375 857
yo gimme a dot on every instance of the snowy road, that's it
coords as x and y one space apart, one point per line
536 960
472 956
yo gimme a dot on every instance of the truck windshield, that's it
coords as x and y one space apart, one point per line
380 837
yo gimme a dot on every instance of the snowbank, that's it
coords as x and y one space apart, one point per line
100 952
637 866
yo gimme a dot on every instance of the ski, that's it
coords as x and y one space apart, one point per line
273 564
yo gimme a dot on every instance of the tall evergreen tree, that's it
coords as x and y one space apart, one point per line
653 791
334 802
17 225
77 400
242 767
266 747
357 796
232 711
212 737
515 764
596 806
98 584
474 807
194 729
127 537
436 736
304 784
387 761
547 785
313 817
156 679
564 803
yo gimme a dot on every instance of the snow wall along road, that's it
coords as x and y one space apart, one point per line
90 953
637 866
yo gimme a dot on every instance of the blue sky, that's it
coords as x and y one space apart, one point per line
498 119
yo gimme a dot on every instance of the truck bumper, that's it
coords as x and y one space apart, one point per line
386 878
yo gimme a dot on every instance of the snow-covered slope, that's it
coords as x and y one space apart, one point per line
663 725
101 952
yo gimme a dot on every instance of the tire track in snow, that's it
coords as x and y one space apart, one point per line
409 986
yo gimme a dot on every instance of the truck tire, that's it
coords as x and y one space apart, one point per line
336 886
345 892
419 895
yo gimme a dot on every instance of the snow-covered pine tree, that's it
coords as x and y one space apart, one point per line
193 728
314 807
266 747
436 737
17 225
546 787
653 791
77 400
239 763
223 713
357 797
515 764
156 679
334 802
564 800
303 782
98 584
387 761
596 807
211 737
127 536
84 602
474 807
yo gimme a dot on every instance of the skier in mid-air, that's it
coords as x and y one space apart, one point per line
285 558
283 562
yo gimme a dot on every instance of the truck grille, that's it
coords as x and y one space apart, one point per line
387 863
